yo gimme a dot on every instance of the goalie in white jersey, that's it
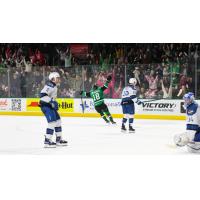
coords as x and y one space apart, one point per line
191 138
49 107
129 98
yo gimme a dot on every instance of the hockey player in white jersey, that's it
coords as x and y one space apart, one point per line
129 98
49 107
191 137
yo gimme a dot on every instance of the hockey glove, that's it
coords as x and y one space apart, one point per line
109 78
81 93
54 105
140 103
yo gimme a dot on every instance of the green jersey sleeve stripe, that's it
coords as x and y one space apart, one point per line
106 85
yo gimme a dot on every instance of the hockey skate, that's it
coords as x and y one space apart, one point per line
131 129
107 121
123 128
60 142
113 122
49 144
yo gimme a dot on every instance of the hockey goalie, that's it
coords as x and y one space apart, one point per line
191 137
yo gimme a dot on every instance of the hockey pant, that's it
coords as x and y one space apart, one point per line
103 111
128 111
54 122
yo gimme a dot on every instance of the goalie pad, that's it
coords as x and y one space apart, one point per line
181 139
184 138
193 147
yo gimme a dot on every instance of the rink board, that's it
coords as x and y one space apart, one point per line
160 109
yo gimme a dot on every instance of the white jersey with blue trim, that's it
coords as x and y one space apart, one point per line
129 94
49 92
193 116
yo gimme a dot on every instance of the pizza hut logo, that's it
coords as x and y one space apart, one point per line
33 104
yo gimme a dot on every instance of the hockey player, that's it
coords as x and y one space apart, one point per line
49 107
98 97
128 99
191 137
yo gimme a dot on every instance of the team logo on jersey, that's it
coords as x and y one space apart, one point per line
190 112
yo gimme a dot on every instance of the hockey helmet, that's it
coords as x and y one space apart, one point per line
132 81
188 98
54 75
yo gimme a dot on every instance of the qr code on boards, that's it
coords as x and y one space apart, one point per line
16 105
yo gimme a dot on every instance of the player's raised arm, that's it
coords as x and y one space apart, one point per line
109 78
85 94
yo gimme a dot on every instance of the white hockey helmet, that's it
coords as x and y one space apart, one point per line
54 75
132 81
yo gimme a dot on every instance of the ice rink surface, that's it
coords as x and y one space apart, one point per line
90 136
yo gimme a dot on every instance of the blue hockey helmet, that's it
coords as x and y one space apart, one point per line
188 98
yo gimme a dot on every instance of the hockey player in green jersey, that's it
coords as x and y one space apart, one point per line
96 93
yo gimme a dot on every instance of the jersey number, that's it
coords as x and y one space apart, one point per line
190 119
96 96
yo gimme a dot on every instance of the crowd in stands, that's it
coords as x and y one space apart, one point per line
161 70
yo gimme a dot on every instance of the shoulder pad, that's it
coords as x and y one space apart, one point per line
51 84
192 109
132 87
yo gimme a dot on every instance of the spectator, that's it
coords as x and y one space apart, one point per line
136 73
167 92
23 60
182 86
153 81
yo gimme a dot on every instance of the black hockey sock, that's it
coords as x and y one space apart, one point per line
104 117
110 118
130 120
107 113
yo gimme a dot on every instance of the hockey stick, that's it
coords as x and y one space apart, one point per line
82 103
148 101
81 89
